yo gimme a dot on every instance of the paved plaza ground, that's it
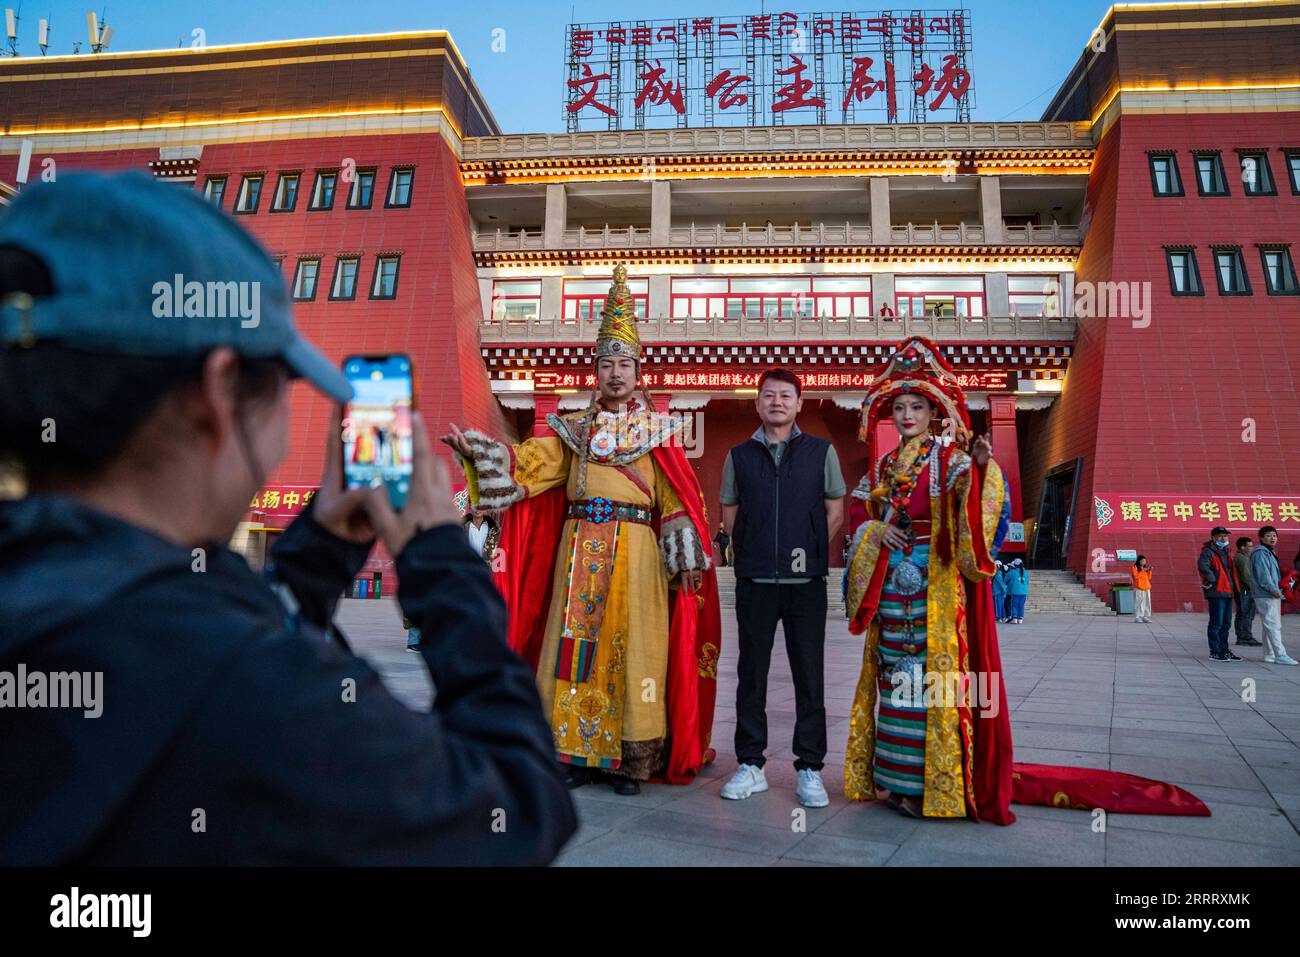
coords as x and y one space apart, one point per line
1100 692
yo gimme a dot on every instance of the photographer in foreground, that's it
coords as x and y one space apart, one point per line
233 730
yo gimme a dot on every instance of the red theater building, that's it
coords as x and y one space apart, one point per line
1113 282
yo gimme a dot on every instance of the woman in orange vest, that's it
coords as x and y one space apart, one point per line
1141 572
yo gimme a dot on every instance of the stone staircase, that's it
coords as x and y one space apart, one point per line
1061 593
1050 592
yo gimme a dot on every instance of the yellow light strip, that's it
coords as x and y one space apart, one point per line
1185 88
231 121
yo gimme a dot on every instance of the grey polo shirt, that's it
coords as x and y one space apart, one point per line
832 484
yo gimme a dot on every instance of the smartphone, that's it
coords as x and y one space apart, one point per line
377 439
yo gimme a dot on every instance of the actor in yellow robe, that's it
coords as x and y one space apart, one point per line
602 673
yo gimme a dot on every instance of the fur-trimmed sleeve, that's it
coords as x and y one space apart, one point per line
501 474
679 543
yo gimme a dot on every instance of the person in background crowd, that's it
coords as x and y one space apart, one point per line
412 635
1266 580
1141 572
482 530
1245 619
999 592
1017 591
722 542
1219 585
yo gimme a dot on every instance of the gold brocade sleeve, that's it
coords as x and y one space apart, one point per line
498 475
975 562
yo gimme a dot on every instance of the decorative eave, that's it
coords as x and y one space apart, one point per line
674 256
873 162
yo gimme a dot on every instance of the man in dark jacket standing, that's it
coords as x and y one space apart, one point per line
1219 585
782 500
231 725
1245 618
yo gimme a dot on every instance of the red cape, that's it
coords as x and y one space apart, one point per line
530 538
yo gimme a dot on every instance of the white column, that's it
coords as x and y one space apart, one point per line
882 290
996 300
660 304
880 221
552 294
661 213
556 215
1067 293
485 297
991 209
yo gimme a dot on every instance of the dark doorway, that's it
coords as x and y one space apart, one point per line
1056 515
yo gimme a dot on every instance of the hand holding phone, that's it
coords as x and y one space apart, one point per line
377 429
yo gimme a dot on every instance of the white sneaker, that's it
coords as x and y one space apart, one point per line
1286 660
811 791
1270 660
747 780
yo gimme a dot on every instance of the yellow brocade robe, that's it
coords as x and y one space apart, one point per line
946 733
610 588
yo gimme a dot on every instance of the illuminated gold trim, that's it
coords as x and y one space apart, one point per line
1200 88
938 254
231 121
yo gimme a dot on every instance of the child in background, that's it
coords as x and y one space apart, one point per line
999 593
1017 591
412 636
1141 572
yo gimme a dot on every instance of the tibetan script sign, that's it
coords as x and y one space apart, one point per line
769 69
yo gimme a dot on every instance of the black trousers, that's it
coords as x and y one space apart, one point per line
801 610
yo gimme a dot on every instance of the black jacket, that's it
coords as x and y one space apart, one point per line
222 705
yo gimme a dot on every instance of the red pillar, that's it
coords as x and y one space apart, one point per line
886 439
1006 452
544 403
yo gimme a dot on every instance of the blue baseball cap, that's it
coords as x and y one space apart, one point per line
145 268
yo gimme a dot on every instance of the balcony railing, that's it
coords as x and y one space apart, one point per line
826 328
747 236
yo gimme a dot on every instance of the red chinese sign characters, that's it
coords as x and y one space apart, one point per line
769 69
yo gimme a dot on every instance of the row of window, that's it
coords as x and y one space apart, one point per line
1230 271
361 189
1256 174
343 286
736 297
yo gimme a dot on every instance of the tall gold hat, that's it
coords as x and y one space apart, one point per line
617 335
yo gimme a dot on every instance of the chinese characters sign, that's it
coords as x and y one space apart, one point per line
769 69
703 379
1179 512
282 501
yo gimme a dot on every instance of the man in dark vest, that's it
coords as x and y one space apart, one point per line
782 501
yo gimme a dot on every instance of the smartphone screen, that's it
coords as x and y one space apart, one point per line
377 442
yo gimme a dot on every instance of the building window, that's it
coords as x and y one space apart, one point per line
1279 271
250 192
1184 276
384 285
1034 295
399 187
1256 176
516 299
363 189
583 299
304 279
939 297
1293 170
286 193
1165 180
345 278
322 195
1210 180
214 190
775 298
1230 271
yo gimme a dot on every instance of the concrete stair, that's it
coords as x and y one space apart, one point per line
1061 593
1050 592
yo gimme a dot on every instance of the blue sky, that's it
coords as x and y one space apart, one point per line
1022 48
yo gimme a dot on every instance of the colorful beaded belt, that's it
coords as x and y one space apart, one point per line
600 510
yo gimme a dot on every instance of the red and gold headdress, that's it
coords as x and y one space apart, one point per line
917 366
617 335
